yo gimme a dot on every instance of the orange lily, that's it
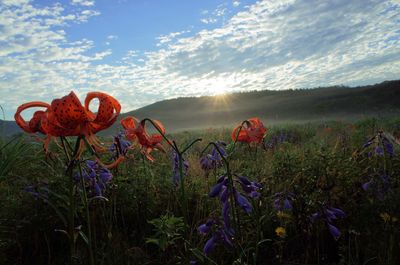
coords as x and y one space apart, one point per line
67 117
135 131
251 130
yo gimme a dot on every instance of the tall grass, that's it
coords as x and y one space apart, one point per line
142 220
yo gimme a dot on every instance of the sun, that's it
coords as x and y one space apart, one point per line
219 88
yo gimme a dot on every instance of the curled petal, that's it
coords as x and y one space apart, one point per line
109 109
35 124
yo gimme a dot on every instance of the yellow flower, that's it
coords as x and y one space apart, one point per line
385 217
282 215
388 218
280 231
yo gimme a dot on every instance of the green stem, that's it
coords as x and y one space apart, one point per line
71 217
86 205
183 195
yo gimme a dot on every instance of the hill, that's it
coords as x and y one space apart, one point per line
302 105
284 106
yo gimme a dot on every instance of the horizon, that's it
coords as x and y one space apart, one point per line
225 97
144 52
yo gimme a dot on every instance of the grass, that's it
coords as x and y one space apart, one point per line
141 222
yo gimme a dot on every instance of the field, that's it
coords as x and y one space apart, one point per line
315 193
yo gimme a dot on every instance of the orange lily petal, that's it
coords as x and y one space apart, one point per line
35 123
108 111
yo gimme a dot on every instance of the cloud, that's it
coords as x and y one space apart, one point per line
163 39
216 15
269 45
236 3
83 2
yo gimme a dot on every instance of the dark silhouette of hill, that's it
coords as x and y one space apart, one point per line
284 106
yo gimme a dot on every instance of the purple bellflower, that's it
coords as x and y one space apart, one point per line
328 215
176 177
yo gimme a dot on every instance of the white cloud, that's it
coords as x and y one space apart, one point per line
270 45
236 3
163 39
209 20
83 2
216 15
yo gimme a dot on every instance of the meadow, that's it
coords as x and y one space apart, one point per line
307 194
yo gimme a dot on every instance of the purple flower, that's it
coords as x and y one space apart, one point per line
328 215
205 228
220 234
176 178
335 232
243 202
213 160
282 201
379 185
120 146
249 187
209 246
367 185
379 151
225 214
217 188
95 177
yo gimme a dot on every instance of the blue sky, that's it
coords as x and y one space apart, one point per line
145 51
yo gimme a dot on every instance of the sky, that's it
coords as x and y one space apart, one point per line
143 51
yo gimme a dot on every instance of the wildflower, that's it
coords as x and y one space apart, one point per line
243 202
213 160
379 185
176 177
96 177
280 231
219 235
250 187
136 131
67 117
252 130
283 201
388 218
381 143
329 214
277 139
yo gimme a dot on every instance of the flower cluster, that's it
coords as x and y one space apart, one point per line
328 215
219 234
380 144
95 176
213 160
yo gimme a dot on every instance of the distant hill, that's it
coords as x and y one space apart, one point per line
8 128
300 105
